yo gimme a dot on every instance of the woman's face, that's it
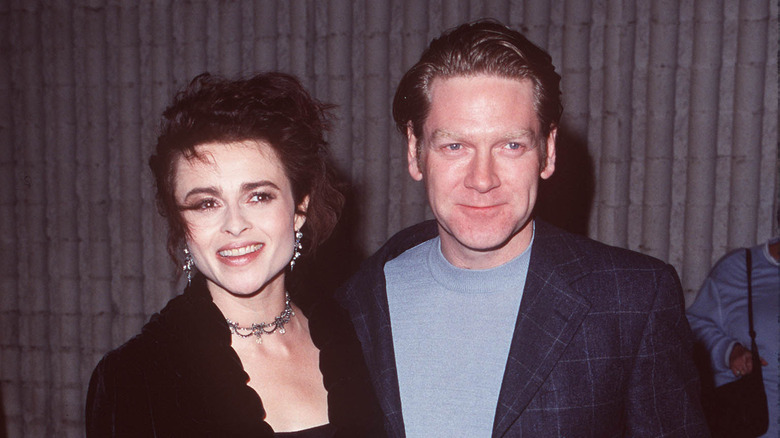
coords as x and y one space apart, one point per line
238 206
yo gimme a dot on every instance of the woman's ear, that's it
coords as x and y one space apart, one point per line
300 213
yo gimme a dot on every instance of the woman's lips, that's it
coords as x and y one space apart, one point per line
234 252
240 255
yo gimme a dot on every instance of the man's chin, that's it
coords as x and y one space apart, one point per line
481 242
485 241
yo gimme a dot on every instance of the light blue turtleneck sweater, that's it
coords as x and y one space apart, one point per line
451 330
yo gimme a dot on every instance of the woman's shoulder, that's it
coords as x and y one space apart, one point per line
118 395
129 358
188 324
138 363
181 371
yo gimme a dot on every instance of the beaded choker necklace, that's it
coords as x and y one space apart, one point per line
264 328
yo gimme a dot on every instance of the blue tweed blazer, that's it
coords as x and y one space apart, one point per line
601 345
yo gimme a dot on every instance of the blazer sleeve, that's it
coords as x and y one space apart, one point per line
663 394
117 404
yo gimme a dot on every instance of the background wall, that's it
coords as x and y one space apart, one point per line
668 145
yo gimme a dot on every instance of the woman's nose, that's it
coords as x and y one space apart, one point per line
235 221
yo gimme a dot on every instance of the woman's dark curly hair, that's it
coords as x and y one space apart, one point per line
273 108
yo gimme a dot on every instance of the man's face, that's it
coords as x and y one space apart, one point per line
481 162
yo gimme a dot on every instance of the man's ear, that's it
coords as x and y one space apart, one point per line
412 154
549 159
300 213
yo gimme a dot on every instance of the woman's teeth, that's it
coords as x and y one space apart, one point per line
235 252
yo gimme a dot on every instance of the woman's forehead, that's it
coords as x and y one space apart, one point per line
233 163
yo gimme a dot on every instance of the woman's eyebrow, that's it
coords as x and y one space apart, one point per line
213 191
248 187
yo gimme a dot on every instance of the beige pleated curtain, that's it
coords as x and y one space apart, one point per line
668 145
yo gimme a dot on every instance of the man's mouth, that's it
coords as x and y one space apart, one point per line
480 207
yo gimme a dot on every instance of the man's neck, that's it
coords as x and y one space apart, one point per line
463 257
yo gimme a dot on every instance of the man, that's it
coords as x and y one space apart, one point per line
487 322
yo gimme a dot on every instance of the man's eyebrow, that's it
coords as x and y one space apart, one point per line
520 133
443 133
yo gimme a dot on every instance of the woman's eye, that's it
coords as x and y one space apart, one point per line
207 204
200 205
261 197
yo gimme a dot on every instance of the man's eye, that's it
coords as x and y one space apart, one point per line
454 147
515 146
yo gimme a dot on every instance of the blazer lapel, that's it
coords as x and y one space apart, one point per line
380 358
550 314
365 297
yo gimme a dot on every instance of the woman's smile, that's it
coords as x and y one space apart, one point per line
241 216
236 252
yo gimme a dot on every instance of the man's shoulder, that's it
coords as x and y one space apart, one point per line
408 238
401 242
370 274
567 247
605 276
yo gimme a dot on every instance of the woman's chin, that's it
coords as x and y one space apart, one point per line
246 283
235 288
246 289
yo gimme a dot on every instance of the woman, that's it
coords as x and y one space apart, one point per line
242 179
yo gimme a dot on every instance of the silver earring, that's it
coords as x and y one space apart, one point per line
188 264
297 247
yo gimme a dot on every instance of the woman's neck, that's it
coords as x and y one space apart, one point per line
245 310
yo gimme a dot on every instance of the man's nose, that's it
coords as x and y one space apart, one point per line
482 175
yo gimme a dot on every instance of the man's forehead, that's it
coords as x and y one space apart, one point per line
443 89
439 78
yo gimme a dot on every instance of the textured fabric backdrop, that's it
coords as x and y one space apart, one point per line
668 145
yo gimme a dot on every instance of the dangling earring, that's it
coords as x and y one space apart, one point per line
297 247
189 262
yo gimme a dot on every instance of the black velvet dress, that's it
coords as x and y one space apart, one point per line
181 378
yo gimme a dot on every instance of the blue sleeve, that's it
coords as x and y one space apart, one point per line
706 317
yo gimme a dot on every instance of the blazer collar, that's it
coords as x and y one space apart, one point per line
551 312
365 297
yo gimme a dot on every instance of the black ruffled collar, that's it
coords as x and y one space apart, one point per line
195 339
